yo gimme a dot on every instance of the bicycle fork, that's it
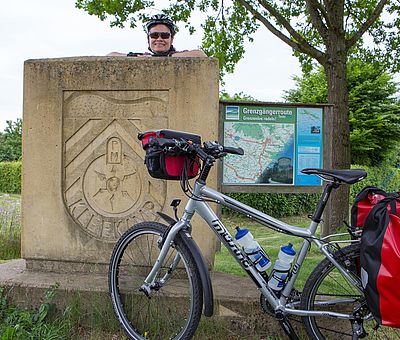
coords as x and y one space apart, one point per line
149 282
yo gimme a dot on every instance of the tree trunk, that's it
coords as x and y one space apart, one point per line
335 68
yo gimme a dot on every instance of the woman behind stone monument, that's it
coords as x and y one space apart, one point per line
160 30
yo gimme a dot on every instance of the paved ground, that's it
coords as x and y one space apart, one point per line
235 298
13 273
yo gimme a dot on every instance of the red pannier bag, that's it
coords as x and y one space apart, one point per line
380 261
365 200
169 164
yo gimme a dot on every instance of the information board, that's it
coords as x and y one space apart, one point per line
278 142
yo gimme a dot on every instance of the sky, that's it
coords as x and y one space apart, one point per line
55 29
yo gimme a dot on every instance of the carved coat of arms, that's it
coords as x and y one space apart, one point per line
105 183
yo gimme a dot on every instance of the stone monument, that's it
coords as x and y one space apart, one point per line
84 182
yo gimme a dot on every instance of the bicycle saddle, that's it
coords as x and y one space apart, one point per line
349 176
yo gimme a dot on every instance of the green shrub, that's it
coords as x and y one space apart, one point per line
279 205
384 177
10 177
40 323
10 227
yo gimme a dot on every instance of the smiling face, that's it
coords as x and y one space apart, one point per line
159 42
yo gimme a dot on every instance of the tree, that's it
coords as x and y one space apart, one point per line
323 31
223 95
11 141
374 112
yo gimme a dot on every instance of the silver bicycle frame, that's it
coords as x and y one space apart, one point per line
197 204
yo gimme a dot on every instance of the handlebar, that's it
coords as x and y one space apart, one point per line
209 148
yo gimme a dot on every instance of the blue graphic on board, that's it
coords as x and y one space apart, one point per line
232 113
280 171
309 142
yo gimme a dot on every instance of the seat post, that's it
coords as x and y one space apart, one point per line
323 200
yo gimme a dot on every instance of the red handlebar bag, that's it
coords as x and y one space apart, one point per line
380 261
169 163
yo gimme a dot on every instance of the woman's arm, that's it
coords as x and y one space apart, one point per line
116 54
192 53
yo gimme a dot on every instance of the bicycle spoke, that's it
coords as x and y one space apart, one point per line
339 283
149 248
139 247
335 331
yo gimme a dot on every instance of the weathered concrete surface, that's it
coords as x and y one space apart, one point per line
83 181
236 298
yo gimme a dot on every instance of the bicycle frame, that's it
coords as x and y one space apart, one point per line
197 204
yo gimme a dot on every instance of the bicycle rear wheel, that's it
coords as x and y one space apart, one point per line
173 309
326 289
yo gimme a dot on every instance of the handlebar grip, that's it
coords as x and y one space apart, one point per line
232 150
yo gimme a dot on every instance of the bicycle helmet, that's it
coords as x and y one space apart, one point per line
160 19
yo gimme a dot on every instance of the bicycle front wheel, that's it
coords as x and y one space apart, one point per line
326 289
173 308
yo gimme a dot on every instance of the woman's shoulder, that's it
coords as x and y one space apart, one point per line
189 53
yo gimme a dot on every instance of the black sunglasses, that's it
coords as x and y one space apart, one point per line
163 35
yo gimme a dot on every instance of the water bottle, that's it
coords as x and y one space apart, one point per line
282 267
252 249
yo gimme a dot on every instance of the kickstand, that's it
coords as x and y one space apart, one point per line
358 329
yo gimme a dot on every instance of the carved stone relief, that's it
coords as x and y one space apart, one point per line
106 186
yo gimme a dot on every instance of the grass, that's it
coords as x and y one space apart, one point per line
48 323
271 241
41 323
10 226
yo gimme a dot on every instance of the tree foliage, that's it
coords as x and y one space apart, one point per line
11 141
313 28
374 111
240 96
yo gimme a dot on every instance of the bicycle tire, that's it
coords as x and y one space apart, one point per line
326 285
173 311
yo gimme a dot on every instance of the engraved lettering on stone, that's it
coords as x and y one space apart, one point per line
90 220
114 151
106 186
108 229
74 205
84 211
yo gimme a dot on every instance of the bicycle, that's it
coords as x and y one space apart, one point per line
160 285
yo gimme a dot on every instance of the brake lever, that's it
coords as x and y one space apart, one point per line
221 154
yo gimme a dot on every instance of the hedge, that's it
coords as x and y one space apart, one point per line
282 205
384 177
10 177
278 205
